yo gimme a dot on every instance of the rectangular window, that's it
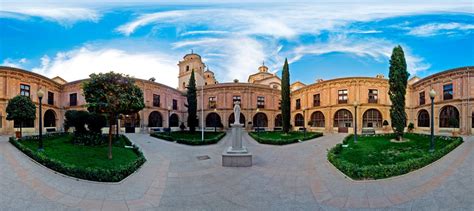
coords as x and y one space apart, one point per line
175 104
50 98
212 102
156 100
298 104
316 100
236 98
422 98
448 92
73 99
373 95
25 90
342 96
260 102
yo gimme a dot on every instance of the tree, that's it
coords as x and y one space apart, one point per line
398 79
95 122
285 97
112 94
192 103
76 119
21 109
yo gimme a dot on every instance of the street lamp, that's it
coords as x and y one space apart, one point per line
258 121
355 121
40 94
432 96
304 123
215 120
169 120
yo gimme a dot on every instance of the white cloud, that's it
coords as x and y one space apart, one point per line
210 32
8 62
288 20
63 15
433 29
377 49
80 63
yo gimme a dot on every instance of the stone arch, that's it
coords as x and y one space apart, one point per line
260 120
174 120
213 120
155 119
423 118
343 118
317 119
49 118
278 121
449 117
372 118
299 120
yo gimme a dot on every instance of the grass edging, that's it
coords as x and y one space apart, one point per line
263 140
357 172
192 142
92 174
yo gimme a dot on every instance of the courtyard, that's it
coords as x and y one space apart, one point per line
295 176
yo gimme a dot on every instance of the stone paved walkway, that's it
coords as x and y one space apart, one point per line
295 176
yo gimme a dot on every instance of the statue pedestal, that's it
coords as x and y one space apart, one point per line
236 155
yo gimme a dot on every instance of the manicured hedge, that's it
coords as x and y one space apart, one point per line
187 141
267 139
93 174
380 171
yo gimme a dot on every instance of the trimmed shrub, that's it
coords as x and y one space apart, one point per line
189 141
380 171
93 174
278 141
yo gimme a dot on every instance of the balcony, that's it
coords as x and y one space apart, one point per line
371 100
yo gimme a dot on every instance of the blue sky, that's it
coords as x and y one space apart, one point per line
321 39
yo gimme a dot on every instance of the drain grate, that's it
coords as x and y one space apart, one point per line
203 157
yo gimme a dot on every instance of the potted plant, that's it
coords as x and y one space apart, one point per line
411 126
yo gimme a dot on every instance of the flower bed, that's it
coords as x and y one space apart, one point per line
279 138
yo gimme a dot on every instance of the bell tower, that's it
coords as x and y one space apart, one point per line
191 62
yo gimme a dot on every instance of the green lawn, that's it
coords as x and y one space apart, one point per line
378 157
85 162
84 156
279 138
189 138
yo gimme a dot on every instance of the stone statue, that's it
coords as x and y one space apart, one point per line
237 112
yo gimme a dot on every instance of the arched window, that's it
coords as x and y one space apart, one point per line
49 118
423 118
299 120
317 119
278 121
232 119
343 118
260 120
213 120
372 118
449 117
155 119
174 120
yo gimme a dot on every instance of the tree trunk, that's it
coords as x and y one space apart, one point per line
21 132
111 121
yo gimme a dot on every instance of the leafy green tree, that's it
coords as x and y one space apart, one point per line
112 94
76 119
398 79
285 98
95 122
21 109
192 103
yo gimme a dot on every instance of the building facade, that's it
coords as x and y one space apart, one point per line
326 106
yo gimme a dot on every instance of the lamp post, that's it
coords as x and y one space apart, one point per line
40 97
355 121
258 122
169 120
432 96
304 123
215 120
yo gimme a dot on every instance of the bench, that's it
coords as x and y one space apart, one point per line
155 129
302 129
50 130
259 129
368 131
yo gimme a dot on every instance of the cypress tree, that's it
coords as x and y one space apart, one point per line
192 103
398 79
285 97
